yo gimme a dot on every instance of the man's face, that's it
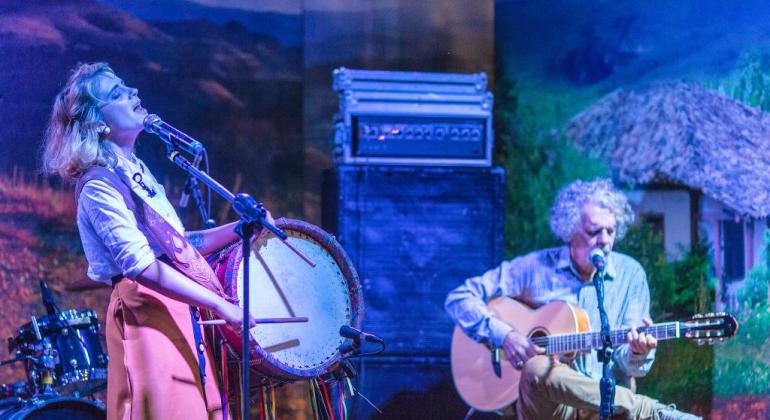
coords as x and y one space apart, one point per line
596 231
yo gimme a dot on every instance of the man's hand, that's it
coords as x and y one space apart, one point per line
519 349
641 343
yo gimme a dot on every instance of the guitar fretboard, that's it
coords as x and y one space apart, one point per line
569 343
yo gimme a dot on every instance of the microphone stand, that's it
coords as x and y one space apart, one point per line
191 188
607 383
252 215
195 192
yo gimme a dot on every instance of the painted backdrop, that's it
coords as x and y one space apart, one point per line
251 80
660 96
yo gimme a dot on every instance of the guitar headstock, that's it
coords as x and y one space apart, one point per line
710 328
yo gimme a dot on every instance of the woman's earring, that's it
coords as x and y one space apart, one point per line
103 130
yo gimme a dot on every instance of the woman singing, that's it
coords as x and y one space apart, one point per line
134 241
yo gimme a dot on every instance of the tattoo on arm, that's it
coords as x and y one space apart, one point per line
196 239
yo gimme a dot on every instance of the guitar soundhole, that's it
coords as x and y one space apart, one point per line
542 332
537 333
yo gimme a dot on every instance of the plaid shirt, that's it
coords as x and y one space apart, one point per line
547 275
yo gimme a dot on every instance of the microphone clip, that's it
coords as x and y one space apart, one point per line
350 347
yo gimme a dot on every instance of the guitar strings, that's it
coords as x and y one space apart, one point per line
566 342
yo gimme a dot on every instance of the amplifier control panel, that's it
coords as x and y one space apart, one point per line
419 137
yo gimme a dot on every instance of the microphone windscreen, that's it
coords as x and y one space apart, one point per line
149 123
597 258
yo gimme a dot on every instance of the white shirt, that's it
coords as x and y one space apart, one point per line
113 242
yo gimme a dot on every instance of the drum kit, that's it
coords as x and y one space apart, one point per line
66 364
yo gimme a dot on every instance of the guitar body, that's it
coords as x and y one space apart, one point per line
490 383
487 386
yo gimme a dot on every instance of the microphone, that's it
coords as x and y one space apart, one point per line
173 137
357 335
48 302
598 259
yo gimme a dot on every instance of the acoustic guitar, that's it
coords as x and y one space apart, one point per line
487 381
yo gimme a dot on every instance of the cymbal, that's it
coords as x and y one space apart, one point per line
84 284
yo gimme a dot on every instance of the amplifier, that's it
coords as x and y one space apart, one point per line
411 118
413 234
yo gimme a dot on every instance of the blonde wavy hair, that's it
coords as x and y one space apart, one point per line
73 142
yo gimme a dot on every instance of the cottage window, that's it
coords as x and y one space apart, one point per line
733 251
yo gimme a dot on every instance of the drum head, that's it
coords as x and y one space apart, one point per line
283 285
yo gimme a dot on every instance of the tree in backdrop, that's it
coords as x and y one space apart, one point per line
743 364
538 161
678 290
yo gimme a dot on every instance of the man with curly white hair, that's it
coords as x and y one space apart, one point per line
586 216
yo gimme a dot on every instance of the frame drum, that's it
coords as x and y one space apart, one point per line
283 285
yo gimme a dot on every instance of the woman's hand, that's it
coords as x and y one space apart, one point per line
233 315
268 219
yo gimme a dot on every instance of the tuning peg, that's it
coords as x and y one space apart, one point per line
697 316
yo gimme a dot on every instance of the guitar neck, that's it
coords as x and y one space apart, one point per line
569 343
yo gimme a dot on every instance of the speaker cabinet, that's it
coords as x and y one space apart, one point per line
413 234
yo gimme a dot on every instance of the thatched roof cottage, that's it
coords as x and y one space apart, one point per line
701 162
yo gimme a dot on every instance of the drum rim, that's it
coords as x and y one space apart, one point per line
257 355
26 335
39 402
72 314
66 315
75 376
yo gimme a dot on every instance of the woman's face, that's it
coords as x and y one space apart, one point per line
123 111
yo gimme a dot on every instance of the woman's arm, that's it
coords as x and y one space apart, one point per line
216 238
164 279
117 228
